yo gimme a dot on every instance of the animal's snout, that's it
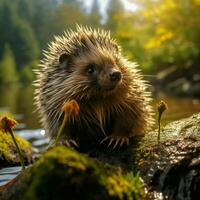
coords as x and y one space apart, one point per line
115 76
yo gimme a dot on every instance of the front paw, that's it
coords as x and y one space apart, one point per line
116 141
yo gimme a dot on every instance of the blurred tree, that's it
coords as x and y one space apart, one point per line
25 9
43 19
18 35
94 15
124 27
8 73
67 16
74 3
24 44
114 11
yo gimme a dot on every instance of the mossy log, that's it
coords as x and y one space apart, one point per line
8 152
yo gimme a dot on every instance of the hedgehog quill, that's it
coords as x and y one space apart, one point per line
88 66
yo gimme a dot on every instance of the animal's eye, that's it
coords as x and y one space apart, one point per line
91 69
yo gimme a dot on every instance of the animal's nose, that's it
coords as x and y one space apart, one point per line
115 76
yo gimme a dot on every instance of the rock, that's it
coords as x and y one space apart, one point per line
63 173
8 153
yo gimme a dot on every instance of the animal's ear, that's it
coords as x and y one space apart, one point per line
64 61
63 58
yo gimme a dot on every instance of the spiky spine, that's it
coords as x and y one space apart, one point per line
54 87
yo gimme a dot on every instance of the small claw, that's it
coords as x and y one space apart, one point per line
73 142
122 142
102 141
127 141
67 143
116 143
111 140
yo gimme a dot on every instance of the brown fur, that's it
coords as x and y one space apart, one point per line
120 109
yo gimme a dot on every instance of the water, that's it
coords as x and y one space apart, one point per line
9 173
18 100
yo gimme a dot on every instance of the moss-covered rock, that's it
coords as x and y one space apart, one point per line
8 152
63 173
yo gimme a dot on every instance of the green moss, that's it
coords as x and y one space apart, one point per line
62 172
8 153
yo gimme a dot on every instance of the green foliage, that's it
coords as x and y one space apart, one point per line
8 72
175 39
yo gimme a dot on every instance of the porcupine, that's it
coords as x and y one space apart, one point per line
88 66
